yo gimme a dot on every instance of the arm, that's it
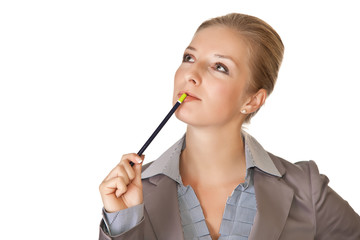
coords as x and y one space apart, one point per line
119 222
335 219
121 193
136 232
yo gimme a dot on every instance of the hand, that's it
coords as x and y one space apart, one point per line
122 188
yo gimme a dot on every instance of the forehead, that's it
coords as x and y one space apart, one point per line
221 40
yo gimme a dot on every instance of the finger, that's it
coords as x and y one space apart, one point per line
129 171
132 157
114 185
118 171
137 168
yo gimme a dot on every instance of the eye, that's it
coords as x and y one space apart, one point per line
188 58
221 68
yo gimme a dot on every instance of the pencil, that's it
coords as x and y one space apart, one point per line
157 130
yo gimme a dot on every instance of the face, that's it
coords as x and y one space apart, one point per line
214 73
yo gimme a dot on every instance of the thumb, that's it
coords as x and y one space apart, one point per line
137 168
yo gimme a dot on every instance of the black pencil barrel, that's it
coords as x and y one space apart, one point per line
157 130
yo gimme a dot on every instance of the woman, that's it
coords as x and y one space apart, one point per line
217 182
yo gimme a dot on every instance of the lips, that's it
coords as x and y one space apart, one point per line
190 96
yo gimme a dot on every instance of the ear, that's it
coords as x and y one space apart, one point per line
255 101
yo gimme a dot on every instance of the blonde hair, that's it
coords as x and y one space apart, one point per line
266 49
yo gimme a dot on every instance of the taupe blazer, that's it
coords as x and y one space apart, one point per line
297 206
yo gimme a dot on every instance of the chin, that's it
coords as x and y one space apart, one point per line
190 118
184 116
179 115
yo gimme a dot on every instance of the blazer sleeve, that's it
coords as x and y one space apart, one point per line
136 232
123 220
335 219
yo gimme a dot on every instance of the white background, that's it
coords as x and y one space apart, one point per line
83 82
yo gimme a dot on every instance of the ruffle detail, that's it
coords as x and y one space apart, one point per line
238 217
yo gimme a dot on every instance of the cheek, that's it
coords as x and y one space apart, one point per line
179 76
223 93
226 98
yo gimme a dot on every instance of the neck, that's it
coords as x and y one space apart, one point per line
212 155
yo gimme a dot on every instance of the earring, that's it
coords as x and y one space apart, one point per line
243 111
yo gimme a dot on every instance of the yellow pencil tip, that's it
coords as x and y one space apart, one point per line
181 99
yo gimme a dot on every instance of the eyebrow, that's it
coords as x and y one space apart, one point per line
224 56
216 55
191 48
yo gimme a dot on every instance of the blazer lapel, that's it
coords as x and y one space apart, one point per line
273 199
161 203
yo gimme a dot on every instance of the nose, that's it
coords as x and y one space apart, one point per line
193 76
193 81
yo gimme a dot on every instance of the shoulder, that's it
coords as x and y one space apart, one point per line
302 175
300 169
334 217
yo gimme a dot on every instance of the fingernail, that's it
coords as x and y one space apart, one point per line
139 160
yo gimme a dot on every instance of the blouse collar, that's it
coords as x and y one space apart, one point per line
168 162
